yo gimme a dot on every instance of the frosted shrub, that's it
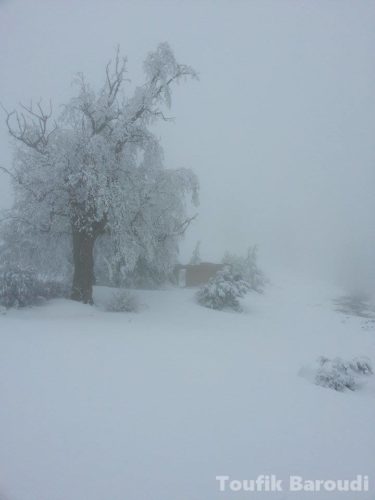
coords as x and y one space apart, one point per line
123 301
223 291
335 375
361 365
247 268
340 375
18 288
22 287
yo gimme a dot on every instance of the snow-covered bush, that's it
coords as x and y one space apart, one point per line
361 365
18 288
22 287
340 375
223 291
123 301
334 375
247 268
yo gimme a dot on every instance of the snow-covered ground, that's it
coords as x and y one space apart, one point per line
154 405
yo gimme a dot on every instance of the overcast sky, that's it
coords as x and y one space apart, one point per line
279 129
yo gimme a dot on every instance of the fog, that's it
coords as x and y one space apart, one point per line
279 128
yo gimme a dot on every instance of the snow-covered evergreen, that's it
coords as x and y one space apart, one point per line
196 256
223 291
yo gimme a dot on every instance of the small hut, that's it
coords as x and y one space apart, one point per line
196 274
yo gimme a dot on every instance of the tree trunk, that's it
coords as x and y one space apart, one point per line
83 279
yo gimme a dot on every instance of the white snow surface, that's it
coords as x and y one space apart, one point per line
154 405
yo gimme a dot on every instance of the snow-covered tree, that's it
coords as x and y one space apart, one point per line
97 171
247 267
196 257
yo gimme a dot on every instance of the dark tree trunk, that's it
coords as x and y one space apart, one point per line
83 279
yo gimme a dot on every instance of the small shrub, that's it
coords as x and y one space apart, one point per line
18 288
22 287
335 378
123 301
361 365
339 375
223 291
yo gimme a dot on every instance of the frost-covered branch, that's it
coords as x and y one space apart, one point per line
31 127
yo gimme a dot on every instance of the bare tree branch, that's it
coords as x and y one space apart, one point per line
180 229
30 129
